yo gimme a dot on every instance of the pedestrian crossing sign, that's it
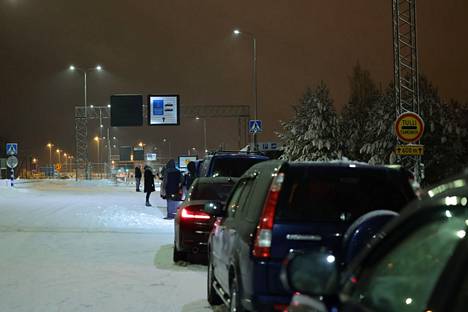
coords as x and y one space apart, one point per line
12 149
255 126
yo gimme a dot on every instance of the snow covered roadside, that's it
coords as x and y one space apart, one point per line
90 246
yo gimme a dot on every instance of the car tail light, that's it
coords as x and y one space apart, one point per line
262 243
280 307
192 213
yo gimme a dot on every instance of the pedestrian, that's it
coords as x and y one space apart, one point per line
189 177
172 184
149 184
137 178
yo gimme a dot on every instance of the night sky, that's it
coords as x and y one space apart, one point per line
187 47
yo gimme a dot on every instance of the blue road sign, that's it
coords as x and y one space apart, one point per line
12 149
255 126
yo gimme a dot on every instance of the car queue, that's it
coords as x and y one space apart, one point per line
268 229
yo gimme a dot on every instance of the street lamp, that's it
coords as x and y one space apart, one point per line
58 153
204 134
85 73
238 32
49 145
169 145
96 138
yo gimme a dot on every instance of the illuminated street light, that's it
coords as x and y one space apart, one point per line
49 145
58 153
204 133
237 32
85 89
169 145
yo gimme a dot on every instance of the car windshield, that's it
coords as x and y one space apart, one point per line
233 167
210 191
340 193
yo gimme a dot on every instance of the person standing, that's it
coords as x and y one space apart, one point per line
137 178
172 184
149 184
189 177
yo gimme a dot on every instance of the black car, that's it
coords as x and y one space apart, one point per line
278 206
417 263
228 164
192 224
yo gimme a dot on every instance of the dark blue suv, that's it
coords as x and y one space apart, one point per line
277 207
228 164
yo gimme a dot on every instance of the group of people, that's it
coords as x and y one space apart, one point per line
174 186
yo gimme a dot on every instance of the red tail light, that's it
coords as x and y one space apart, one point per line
189 212
263 237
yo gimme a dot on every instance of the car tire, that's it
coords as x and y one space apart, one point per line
234 295
178 255
212 295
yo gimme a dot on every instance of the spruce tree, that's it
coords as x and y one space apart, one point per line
355 117
380 137
313 133
444 137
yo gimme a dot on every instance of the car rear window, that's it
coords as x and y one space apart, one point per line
211 191
233 167
340 194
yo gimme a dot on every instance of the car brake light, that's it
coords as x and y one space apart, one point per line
187 213
262 243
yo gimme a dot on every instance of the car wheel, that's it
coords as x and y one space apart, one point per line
212 295
178 255
234 303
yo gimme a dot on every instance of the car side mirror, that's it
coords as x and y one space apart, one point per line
216 209
314 273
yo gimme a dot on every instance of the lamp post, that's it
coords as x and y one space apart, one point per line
169 145
85 89
66 158
204 134
58 153
49 145
238 32
96 138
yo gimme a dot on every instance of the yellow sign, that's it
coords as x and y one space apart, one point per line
409 150
409 127
58 167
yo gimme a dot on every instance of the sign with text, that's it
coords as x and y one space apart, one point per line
163 110
409 127
410 150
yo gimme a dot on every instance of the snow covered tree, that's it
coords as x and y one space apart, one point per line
445 135
380 137
313 133
355 117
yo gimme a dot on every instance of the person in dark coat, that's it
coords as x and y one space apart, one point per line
149 184
189 177
137 178
172 184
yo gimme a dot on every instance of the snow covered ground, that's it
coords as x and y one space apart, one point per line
90 246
